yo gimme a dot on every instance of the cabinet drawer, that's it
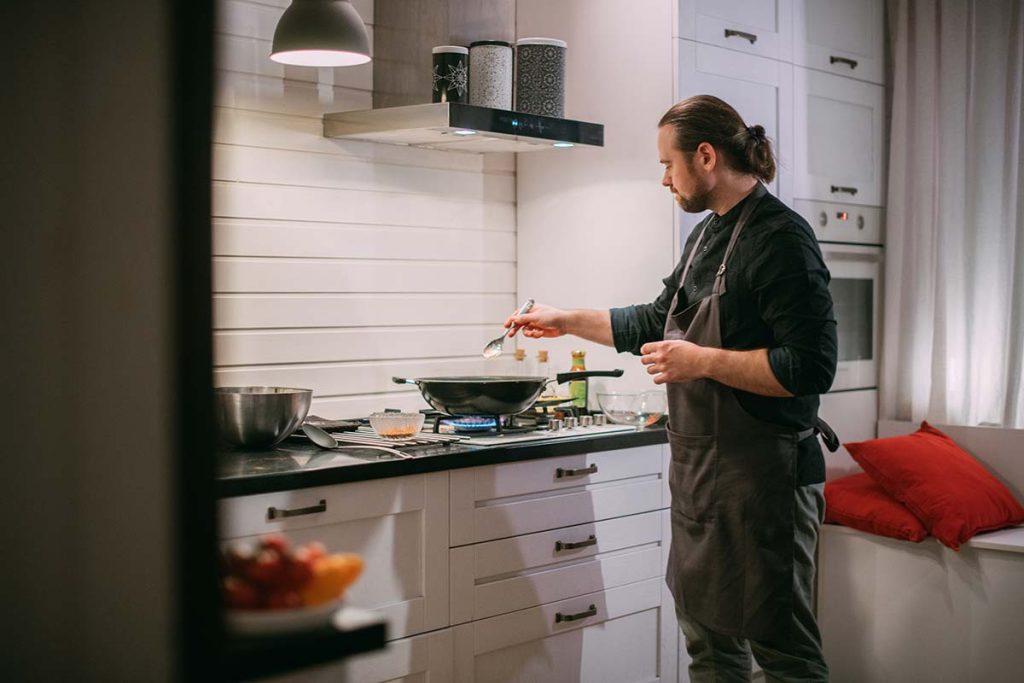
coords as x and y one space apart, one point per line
552 474
512 517
523 497
760 27
511 574
614 635
287 510
399 526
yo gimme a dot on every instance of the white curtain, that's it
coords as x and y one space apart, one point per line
953 342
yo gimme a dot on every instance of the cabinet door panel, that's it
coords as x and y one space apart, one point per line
844 37
620 639
402 535
838 148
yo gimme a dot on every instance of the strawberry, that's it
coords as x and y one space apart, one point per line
239 594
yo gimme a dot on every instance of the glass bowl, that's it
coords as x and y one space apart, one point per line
637 409
396 425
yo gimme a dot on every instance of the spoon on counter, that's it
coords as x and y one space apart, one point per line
493 349
325 440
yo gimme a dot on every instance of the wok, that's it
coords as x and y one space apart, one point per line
494 395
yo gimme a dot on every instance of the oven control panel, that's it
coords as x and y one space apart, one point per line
847 223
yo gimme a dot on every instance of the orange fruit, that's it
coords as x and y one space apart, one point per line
332 574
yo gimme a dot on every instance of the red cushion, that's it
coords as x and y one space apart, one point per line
943 485
858 502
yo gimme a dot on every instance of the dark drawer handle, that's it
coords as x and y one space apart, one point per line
590 612
279 513
563 472
852 63
730 32
572 545
848 190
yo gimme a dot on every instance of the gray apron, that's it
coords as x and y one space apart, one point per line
732 478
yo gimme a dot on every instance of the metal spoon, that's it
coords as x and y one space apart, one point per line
493 349
325 440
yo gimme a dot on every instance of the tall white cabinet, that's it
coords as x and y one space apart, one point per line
809 71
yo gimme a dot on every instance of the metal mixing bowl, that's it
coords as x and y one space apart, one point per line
260 417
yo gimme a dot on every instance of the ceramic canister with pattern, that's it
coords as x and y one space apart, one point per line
451 73
540 76
490 74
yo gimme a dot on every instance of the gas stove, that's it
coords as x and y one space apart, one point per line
441 432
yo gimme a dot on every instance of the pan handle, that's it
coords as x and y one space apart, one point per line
563 377
402 380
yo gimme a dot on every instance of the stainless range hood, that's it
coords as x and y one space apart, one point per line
463 128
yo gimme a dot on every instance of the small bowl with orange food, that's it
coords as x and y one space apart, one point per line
272 587
397 426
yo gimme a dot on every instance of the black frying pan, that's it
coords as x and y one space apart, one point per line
495 395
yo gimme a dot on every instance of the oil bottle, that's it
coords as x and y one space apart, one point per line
578 387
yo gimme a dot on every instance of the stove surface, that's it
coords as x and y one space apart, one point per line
504 439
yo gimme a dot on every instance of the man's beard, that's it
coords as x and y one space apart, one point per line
696 202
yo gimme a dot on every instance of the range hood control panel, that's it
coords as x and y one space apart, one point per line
463 127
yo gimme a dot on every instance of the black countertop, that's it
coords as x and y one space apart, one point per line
352 631
299 464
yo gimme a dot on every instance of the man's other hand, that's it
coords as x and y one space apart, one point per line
674 361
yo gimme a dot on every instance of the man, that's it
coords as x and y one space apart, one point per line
744 337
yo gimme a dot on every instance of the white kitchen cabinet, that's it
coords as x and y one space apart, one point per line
757 27
616 636
557 569
398 525
838 147
761 91
844 37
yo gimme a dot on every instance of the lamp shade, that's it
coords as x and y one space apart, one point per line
321 33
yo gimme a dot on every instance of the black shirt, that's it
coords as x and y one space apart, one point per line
776 297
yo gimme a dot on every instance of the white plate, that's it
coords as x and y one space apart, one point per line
256 622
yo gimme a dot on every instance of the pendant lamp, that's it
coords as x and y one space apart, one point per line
320 33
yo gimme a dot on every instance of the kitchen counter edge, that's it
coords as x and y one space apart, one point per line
229 487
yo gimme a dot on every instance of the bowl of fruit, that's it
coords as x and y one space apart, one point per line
272 587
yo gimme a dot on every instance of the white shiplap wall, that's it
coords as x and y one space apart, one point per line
338 265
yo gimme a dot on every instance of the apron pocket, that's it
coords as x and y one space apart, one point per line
693 475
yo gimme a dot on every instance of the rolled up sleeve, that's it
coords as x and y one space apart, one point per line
634 326
790 284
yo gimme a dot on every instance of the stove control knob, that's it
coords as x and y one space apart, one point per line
571 422
600 420
586 420
554 425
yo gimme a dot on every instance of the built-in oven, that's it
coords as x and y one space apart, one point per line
850 237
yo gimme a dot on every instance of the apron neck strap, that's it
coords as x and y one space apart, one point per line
752 200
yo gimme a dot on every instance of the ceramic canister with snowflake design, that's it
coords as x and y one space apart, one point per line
490 74
451 73
540 76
